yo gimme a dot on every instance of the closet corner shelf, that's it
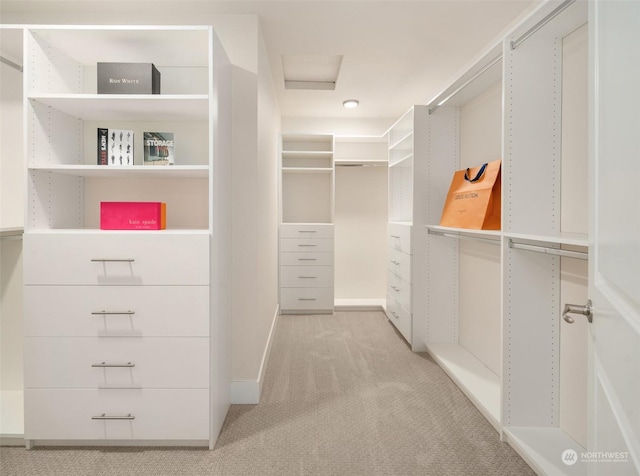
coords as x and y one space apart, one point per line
129 107
475 379
134 171
11 233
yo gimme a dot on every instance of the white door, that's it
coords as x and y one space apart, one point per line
614 274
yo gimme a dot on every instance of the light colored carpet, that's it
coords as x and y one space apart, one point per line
343 395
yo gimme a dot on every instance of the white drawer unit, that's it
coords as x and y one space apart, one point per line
116 362
399 317
399 237
116 259
322 245
112 311
399 263
306 299
400 290
306 276
117 414
306 268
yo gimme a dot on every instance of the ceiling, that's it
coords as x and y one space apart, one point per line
395 53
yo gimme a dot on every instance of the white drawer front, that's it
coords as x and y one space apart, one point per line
158 362
139 258
306 231
66 414
306 259
93 311
306 276
306 245
399 263
306 299
399 237
399 317
400 290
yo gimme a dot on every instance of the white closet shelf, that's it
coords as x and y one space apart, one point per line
307 154
575 239
129 107
361 163
406 138
307 170
542 449
80 231
404 161
135 171
475 379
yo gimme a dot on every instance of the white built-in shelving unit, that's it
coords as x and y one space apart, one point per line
518 370
306 228
406 305
126 332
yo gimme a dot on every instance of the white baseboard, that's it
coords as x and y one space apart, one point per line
248 391
360 304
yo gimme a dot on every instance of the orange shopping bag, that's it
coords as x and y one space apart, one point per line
473 200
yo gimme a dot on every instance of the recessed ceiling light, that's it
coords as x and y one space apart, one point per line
351 103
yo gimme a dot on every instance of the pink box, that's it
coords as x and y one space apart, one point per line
133 216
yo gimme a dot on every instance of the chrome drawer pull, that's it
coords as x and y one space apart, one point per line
395 289
307 245
395 236
307 231
395 262
104 416
395 315
307 259
113 260
104 364
307 277
307 299
109 313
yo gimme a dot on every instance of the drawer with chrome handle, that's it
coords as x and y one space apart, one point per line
306 276
306 231
306 245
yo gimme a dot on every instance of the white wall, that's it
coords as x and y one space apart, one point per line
11 216
360 221
479 282
254 168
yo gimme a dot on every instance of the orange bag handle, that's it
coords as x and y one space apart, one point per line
478 175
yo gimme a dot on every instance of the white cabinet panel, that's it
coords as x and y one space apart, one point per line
306 245
306 276
111 259
158 362
94 311
306 231
67 414
306 299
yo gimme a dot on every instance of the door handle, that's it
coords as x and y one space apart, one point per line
577 309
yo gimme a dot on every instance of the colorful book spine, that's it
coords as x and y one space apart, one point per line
103 151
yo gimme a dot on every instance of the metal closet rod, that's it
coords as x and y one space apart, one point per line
467 82
548 251
540 24
463 237
8 62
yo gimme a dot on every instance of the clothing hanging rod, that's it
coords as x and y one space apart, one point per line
10 63
467 82
550 251
541 23
463 237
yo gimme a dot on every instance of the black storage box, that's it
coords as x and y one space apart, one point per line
128 78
